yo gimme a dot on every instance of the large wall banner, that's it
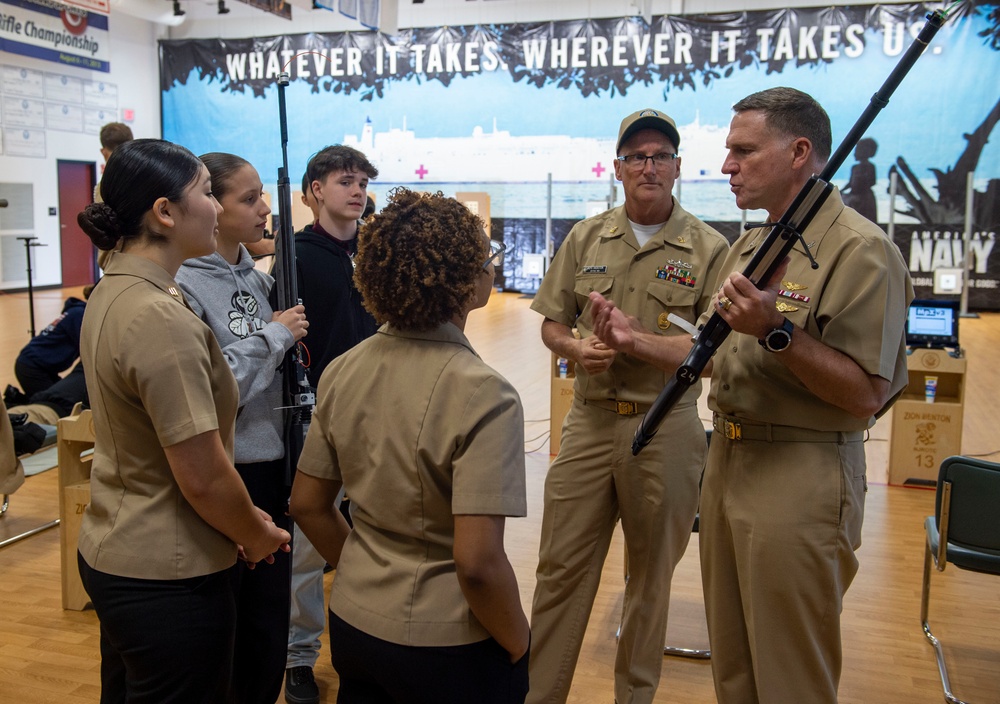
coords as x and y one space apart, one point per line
500 108
54 33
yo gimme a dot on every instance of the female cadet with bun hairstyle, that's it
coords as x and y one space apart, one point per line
231 296
428 441
168 512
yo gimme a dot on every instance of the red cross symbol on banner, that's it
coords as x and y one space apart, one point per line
598 170
421 172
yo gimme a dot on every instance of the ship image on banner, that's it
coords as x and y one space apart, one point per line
497 156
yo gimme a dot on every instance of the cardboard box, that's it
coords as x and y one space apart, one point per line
75 499
925 434
560 401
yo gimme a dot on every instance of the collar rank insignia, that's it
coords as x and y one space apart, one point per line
681 240
179 298
613 229
677 275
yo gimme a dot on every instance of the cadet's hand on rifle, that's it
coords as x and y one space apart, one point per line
294 319
746 308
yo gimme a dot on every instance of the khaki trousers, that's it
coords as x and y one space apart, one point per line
593 482
780 522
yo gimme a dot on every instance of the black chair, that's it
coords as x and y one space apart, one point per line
964 530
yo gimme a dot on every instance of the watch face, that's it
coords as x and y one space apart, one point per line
779 338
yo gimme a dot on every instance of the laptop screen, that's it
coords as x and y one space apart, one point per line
932 323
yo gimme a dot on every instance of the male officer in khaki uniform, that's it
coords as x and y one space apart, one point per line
655 260
816 356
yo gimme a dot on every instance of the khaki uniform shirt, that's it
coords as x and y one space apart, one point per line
156 377
855 302
11 471
675 272
418 429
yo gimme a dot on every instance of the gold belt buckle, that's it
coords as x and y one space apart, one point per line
627 408
732 431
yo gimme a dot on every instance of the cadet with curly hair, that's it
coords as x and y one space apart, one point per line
428 442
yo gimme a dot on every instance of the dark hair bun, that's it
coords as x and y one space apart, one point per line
100 222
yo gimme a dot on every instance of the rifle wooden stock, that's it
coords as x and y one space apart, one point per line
780 240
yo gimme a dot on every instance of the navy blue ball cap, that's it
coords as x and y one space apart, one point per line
648 119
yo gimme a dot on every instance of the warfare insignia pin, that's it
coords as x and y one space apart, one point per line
785 307
792 286
663 321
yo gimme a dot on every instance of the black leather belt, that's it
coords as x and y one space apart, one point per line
733 428
622 408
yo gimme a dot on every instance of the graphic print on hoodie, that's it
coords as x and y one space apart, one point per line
244 318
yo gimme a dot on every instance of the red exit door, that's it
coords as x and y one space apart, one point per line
76 191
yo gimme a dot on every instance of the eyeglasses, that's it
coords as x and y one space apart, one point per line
638 161
497 248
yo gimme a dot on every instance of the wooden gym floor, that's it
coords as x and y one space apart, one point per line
48 655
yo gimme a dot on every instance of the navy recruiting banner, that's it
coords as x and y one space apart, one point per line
500 108
54 33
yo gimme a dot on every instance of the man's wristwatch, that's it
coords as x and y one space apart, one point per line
778 339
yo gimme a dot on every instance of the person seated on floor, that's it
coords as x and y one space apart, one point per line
51 352
48 406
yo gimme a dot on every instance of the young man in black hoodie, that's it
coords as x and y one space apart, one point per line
337 179
325 252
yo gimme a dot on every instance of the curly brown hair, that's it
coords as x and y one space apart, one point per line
419 259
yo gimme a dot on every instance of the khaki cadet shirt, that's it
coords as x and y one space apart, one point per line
675 272
156 377
11 471
419 430
855 302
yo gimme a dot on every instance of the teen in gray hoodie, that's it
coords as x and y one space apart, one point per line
231 296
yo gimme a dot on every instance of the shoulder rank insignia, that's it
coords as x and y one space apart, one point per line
663 321
785 307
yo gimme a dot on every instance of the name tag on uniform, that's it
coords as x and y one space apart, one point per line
595 270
